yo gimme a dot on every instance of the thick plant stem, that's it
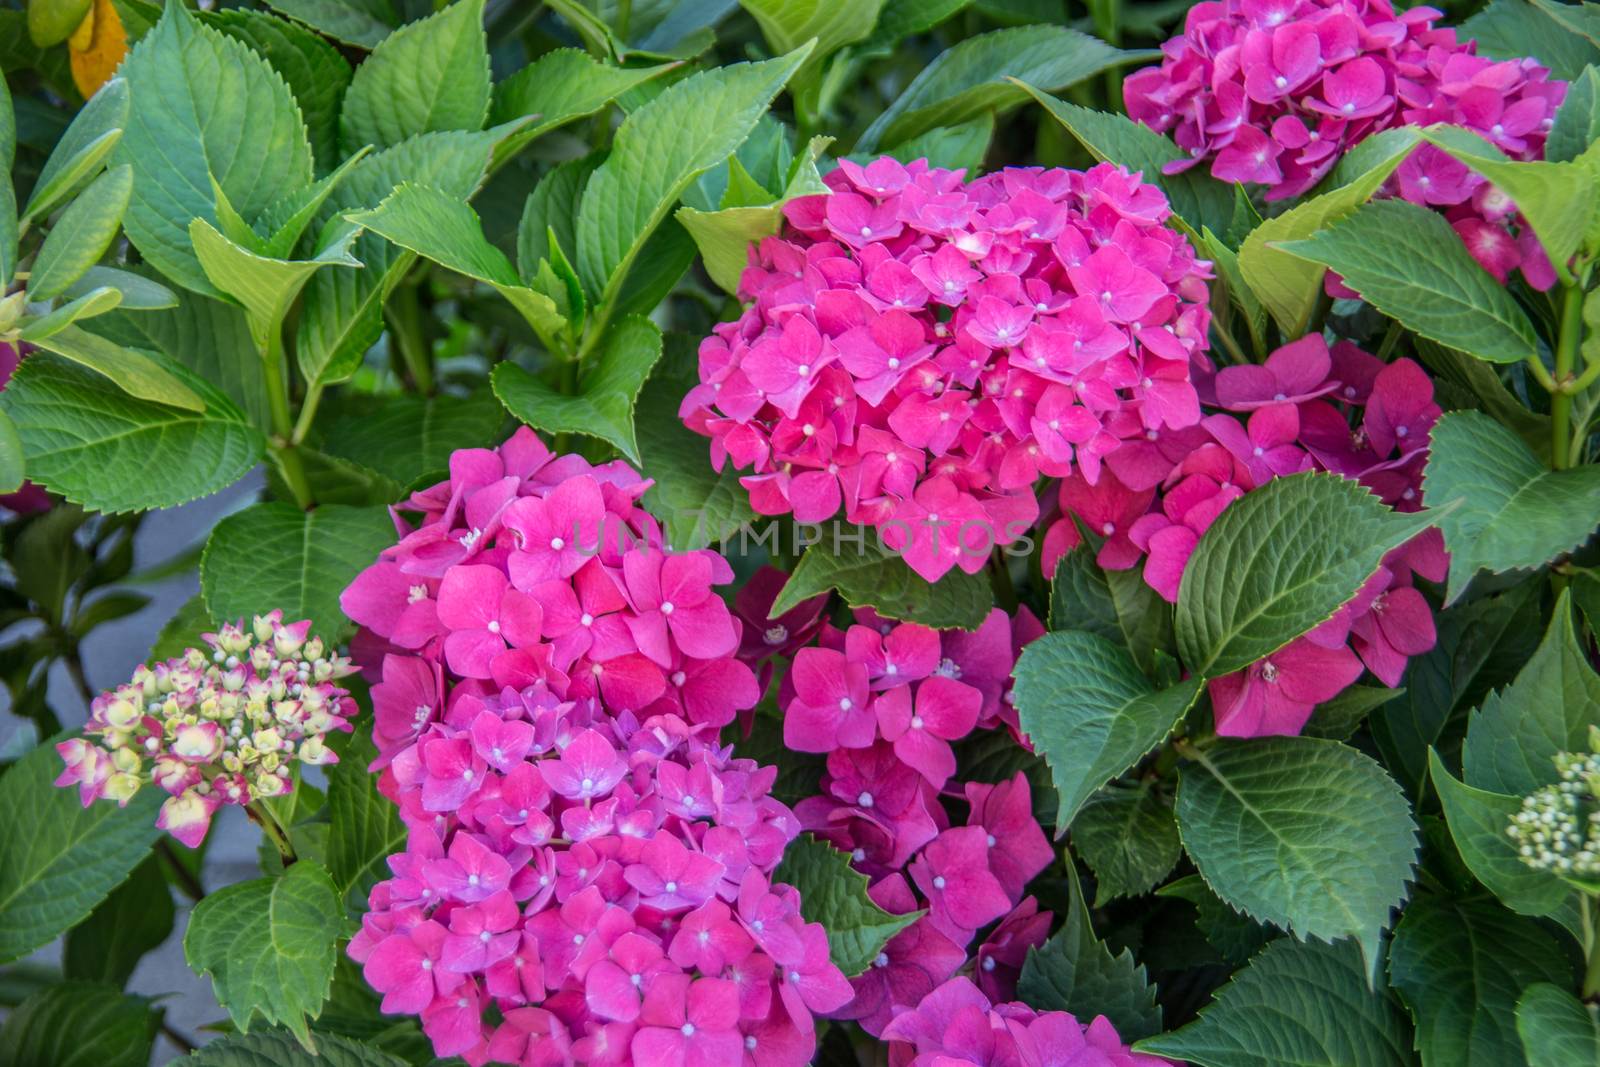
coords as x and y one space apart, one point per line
405 323
288 460
1560 399
275 833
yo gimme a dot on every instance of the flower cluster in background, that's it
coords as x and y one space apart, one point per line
1307 408
223 728
1274 92
585 865
920 351
1557 828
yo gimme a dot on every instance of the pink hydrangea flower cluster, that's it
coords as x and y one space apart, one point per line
920 350
887 701
1274 92
209 730
1342 411
957 1023
587 872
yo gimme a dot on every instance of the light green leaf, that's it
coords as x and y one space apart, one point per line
406 437
81 235
70 858
134 919
1510 512
317 74
91 304
430 75
446 230
138 292
972 78
659 149
698 506
868 575
1477 820
80 1024
1578 122
94 132
1303 1004
263 286
278 1048
1278 562
561 86
365 827
284 221
1075 972
10 234
138 375
1309 835
12 470
95 445
1461 966
273 555
362 23
835 895
1408 263
724 236
1198 201
1089 711
269 946
788 24
549 218
1557 1029
610 383
1512 740
1288 285
342 313
1129 839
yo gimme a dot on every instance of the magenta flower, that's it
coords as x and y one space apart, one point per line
922 728
674 593
689 1023
832 703
407 969
1276 695
485 616
1293 373
589 767
612 987
1017 847
669 876
482 934
1002 954
953 874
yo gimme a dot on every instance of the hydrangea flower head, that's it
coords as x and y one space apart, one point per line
587 870
919 350
213 729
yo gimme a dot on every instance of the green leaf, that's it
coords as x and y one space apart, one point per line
95 445
269 946
1408 263
10 234
868 575
51 23
342 313
561 86
273 555
1198 201
603 406
900 19
136 374
80 1024
1556 1028
138 292
134 919
659 149
1278 562
1303 1004
362 23
1089 711
1461 966
365 827
1309 835
972 78
959 147
698 506
1128 838
94 132
94 302
427 76
446 230
11 462
835 895
1478 820
1513 29
724 236
788 24
1510 512
1236 937
8 128
315 71
277 1048
1342 716
1116 605
1513 738
69 859
264 286
1578 122
1288 285
549 218
406 437
1075 972
205 107
81 235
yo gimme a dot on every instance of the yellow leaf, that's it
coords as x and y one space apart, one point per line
97 54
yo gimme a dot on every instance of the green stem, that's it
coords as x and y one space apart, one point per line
308 413
1391 337
404 312
1234 351
1584 380
1591 970
275 833
185 879
1561 400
